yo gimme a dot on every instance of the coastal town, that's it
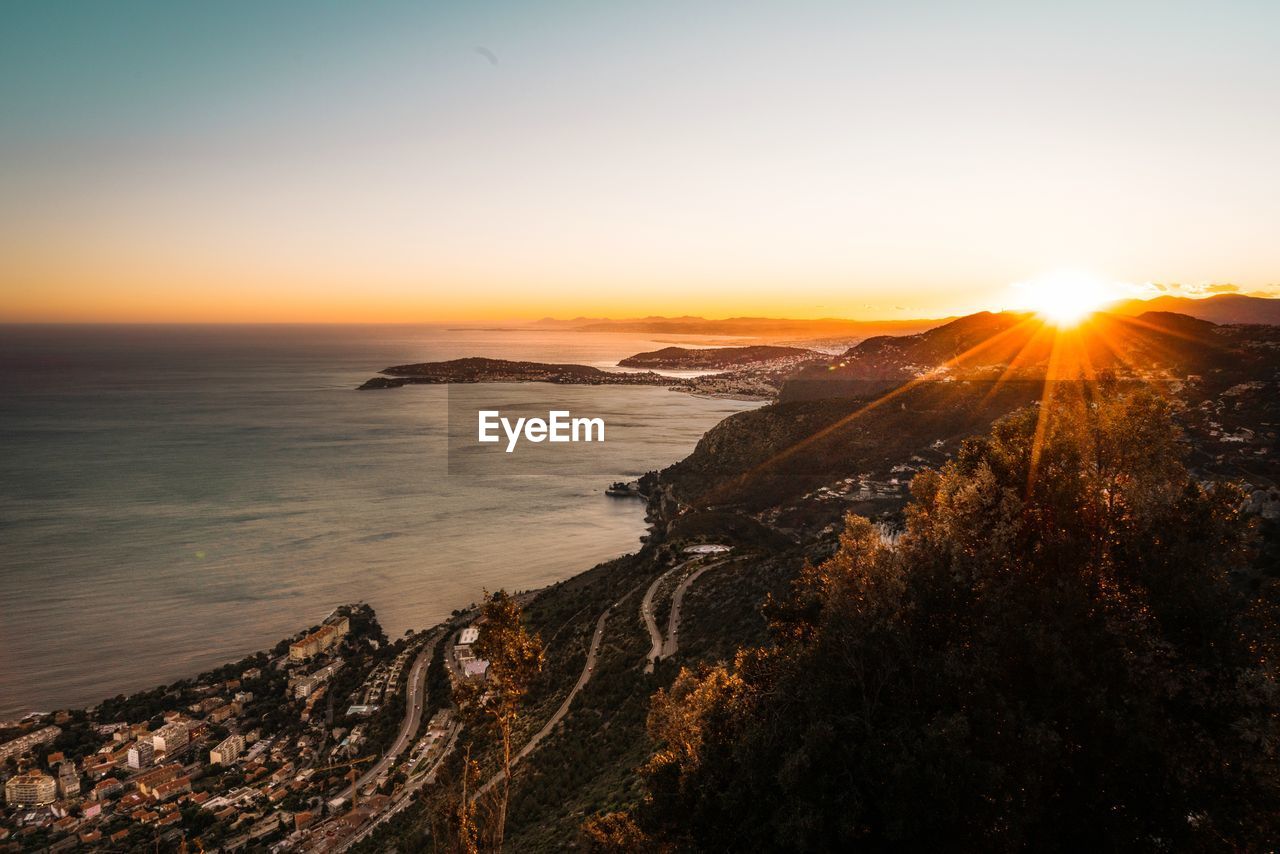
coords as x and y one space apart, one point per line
292 749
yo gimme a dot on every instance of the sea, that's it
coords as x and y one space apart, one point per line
176 497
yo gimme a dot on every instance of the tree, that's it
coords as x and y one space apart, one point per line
515 659
613 832
1056 655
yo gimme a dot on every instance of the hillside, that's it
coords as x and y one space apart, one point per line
716 358
890 405
776 483
1012 345
1058 652
1220 308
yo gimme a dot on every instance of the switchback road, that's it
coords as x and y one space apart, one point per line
646 612
583 678
672 644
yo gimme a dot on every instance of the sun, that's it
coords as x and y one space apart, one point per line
1065 297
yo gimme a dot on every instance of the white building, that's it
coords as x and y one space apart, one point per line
227 751
170 738
68 780
141 754
305 686
469 635
27 743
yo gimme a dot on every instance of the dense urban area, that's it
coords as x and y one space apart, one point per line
295 746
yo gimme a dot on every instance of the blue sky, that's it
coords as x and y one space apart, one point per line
322 160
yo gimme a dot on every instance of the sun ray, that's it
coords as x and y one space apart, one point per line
1042 417
931 376
1020 359
1071 374
1103 334
1066 298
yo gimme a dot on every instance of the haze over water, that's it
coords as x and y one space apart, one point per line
172 498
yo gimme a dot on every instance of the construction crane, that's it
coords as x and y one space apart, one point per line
352 774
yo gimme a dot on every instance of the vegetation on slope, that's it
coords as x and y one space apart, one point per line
1064 652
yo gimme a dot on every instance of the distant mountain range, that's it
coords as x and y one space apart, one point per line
756 327
1221 308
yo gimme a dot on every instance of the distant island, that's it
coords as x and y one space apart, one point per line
759 371
481 370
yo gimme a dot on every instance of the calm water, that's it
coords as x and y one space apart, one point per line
174 498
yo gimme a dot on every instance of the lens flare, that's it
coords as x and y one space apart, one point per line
1066 297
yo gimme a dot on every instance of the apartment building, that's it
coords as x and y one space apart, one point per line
227 751
33 789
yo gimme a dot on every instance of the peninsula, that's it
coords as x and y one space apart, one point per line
481 370
753 373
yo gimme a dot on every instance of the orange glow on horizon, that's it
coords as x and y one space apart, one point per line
239 299
163 291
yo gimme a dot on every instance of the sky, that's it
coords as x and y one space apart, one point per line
380 161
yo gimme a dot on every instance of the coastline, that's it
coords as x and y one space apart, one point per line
601 495
313 496
528 594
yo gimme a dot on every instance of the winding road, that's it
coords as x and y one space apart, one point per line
672 644
405 797
415 698
416 694
583 678
646 612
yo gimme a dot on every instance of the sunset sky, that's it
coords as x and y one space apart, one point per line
365 161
